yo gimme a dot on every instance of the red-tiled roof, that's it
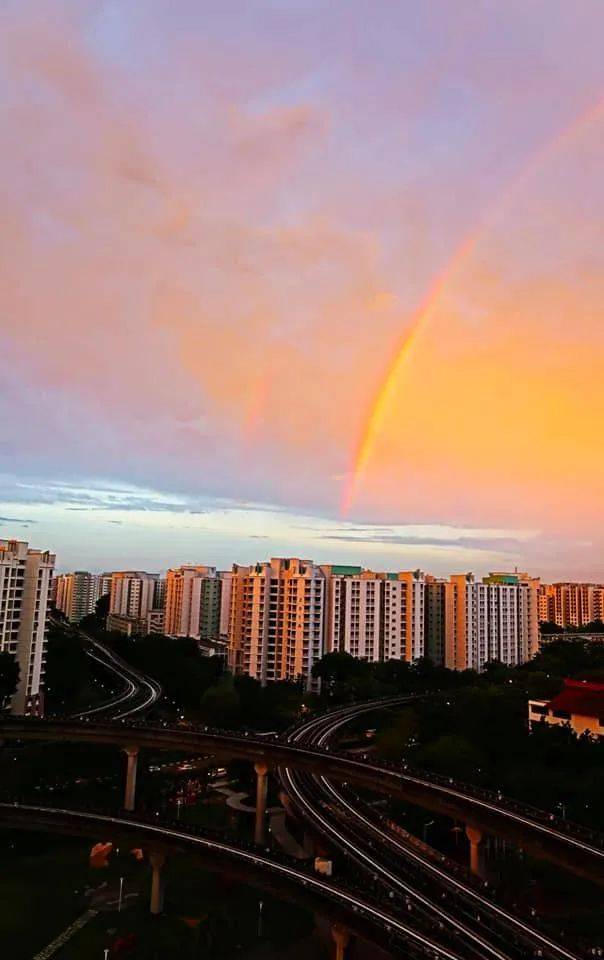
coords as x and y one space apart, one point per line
583 697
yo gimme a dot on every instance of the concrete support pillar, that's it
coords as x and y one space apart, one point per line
474 835
261 791
157 861
130 792
341 938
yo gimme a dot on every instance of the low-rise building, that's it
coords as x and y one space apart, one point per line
129 626
582 637
579 705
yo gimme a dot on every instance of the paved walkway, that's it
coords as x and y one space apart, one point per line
276 816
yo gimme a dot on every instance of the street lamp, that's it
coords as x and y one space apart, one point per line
429 823
119 903
260 909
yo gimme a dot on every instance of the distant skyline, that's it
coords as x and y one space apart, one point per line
319 278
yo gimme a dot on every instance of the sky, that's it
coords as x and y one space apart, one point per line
319 277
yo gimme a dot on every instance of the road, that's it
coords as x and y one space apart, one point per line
362 911
139 692
569 845
487 929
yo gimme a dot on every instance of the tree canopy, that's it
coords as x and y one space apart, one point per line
9 676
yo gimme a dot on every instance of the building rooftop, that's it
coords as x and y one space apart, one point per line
583 697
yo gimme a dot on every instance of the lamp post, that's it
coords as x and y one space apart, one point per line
119 903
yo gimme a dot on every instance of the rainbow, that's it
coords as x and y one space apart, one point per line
388 387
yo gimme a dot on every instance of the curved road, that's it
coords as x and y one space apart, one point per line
486 928
572 846
485 934
139 692
357 906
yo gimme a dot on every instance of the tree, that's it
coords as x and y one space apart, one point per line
497 672
68 668
394 740
454 755
95 623
220 704
9 676
338 668
345 676
101 608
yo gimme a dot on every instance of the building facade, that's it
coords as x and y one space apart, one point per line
496 619
76 594
353 612
25 579
435 619
277 620
105 584
580 706
375 616
571 604
226 591
132 593
285 614
192 604
404 616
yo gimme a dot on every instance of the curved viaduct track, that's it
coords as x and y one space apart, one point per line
487 929
570 846
361 914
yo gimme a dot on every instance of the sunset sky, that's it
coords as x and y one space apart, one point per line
305 278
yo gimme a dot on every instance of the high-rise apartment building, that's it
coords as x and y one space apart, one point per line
277 619
192 605
25 578
286 613
105 584
226 591
435 619
571 604
404 616
375 616
159 594
132 594
76 594
496 619
353 611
